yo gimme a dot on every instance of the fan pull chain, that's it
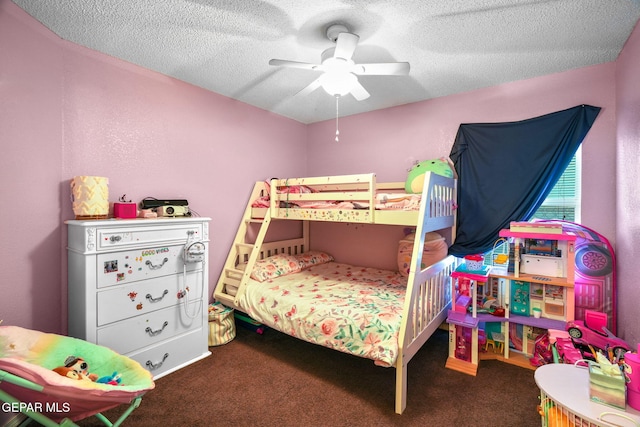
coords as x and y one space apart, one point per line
337 131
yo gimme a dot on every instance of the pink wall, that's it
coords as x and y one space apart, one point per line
388 141
628 191
68 111
31 132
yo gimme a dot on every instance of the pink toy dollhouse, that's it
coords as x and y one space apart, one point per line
595 272
537 296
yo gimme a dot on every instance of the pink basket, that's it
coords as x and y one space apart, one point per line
474 262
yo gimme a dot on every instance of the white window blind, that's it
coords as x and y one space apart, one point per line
564 200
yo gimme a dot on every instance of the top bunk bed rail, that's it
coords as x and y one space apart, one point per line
360 198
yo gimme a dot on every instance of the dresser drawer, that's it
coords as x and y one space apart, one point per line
140 264
146 330
147 234
172 354
138 298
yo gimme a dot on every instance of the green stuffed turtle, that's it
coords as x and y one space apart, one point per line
415 178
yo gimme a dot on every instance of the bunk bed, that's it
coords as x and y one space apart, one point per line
259 275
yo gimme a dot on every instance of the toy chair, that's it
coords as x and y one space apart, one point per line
490 343
498 338
496 342
30 385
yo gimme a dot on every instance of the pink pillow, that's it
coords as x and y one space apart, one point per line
435 249
281 265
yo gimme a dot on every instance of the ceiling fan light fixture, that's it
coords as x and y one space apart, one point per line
337 64
340 72
338 83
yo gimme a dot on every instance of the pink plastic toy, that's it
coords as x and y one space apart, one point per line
593 331
632 374
567 351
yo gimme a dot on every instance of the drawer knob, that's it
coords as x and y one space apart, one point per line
152 299
157 266
153 333
153 366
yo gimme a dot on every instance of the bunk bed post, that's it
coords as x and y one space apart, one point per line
407 332
401 383
305 235
274 203
372 197
455 206
425 303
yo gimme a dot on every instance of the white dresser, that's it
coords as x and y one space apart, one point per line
127 288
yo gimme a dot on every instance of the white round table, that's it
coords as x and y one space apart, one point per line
568 387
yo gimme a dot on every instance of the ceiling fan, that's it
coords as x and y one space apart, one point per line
339 72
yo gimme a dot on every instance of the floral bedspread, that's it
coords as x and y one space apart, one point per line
356 310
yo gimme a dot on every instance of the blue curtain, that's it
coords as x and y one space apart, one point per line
506 171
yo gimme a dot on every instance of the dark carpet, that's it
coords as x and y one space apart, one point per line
277 380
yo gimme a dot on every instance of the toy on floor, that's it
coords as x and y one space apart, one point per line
592 332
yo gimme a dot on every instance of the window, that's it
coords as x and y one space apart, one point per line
564 200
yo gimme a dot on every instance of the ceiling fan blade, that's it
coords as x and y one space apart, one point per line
309 88
294 64
382 69
359 92
346 45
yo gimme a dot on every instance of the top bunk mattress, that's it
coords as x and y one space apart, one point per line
356 310
383 201
359 198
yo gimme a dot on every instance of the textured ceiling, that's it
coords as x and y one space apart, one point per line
453 46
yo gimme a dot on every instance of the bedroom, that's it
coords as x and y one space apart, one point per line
74 111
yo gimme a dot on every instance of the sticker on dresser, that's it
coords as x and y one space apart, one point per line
140 264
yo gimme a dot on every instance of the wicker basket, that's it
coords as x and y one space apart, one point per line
222 326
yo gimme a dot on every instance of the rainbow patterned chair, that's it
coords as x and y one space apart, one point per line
29 384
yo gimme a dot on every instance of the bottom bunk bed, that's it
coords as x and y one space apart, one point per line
367 312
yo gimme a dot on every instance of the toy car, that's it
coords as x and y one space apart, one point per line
593 331
567 351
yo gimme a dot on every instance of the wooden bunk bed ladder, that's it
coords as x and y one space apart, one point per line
244 252
241 254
